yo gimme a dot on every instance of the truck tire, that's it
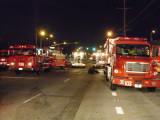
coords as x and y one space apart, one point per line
113 86
61 67
37 72
107 77
40 70
17 71
151 89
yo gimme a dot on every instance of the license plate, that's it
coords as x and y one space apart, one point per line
128 83
21 64
138 85
20 68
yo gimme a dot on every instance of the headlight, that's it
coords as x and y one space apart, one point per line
154 83
12 63
30 64
115 71
155 73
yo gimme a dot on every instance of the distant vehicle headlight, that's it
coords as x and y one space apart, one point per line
30 64
12 63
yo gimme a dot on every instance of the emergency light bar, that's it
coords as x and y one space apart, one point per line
23 46
131 38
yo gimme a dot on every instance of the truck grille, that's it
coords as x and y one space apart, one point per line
136 75
137 67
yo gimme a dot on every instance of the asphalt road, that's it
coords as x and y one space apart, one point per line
72 94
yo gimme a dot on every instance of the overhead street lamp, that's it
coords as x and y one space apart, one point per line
42 33
51 35
109 34
151 34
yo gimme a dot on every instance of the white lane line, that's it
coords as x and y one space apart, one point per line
67 80
119 110
31 98
17 77
114 94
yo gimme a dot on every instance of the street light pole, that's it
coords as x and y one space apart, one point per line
152 32
40 42
42 33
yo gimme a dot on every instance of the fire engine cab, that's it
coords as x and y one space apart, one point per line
55 57
155 55
99 59
77 60
129 63
4 58
27 58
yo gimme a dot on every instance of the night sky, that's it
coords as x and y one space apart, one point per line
85 21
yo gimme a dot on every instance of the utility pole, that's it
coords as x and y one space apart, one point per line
124 17
36 34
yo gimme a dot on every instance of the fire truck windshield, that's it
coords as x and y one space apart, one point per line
132 50
4 54
23 52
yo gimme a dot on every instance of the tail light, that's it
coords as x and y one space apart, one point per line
130 69
144 70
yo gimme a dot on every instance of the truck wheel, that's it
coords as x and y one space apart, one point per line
151 89
37 72
107 77
17 71
61 67
40 69
113 86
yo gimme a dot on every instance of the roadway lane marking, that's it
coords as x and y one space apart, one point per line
119 110
67 80
138 112
31 98
17 77
114 94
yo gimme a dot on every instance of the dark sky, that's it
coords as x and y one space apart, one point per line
85 21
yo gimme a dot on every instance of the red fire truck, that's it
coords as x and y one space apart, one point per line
155 55
55 57
4 58
27 58
129 63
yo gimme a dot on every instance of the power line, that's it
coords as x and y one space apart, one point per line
147 16
140 13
